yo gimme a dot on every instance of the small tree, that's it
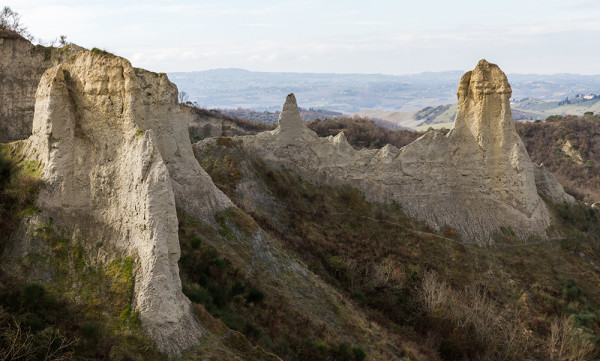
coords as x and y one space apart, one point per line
183 97
11 20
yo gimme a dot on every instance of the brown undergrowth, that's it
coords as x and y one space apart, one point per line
453 300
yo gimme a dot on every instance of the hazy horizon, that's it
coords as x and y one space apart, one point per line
345 37
400 74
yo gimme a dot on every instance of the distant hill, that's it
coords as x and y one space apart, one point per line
527 109
441 116
350 93
271 117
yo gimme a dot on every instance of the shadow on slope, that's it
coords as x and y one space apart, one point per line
443 298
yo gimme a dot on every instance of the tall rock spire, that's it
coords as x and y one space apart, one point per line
484 106
484 125
290 124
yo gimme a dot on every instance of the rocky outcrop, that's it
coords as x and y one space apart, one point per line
195 193
21 67
477 179
549 187
117 160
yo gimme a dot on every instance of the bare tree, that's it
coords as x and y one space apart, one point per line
183 97
11 20
62 40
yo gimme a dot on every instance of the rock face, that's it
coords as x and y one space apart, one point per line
21 67
476 179
549 187
195 193
117 160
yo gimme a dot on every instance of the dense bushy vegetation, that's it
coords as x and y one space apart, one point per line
230 124
577 164
448 299
362 133
19 183
267 319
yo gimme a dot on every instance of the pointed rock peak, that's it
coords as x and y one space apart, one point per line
484 103
290 120
340 137
341 141
486 78
290 102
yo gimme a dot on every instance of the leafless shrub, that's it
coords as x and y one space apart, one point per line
19 343
568 343
434 294
474 314
386 275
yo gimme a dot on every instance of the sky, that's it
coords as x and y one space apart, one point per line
376 36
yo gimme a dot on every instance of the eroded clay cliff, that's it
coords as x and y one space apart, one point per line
116 161
477 179
21 67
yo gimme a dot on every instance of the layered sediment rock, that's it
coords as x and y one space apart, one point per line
477 179
117 160
21 67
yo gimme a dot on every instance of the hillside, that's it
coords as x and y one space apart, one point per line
122 240
493 302
120 245
442 298
569 146
578 105
204 123
363 133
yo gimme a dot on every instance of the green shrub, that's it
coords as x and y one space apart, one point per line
6 168
198 294
238 288
344 351
359 353
195 242
33 296
255 296
571 291
585 318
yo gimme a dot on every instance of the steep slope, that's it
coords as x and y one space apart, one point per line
477 179
21 67
454 300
